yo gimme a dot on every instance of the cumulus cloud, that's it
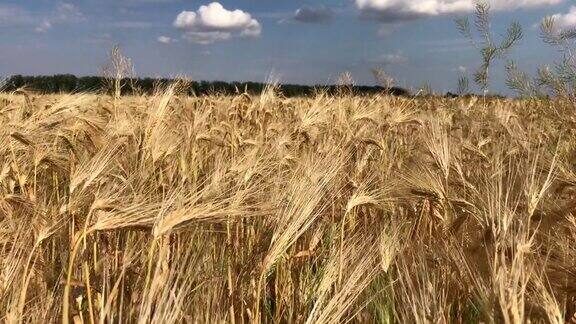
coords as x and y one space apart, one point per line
320 14
213 23
567 20
398 10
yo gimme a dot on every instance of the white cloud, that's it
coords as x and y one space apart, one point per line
165 40
567 20
64 13
398 10
213 22
43 27
61 14
67 12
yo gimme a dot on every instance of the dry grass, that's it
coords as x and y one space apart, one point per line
263 209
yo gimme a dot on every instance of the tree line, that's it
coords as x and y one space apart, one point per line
67 83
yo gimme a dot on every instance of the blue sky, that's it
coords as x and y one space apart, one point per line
309 42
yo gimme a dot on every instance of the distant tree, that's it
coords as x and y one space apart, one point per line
69 83
16 82
90 84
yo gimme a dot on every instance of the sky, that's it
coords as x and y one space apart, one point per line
291 41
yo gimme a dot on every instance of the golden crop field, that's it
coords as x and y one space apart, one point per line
247 209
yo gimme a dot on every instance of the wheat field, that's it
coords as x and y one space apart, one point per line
262 209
